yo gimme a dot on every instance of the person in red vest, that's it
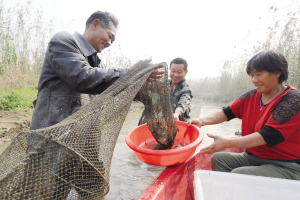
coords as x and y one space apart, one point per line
270 124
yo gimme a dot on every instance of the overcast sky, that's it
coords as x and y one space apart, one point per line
202 32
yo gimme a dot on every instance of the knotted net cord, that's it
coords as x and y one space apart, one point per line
76 153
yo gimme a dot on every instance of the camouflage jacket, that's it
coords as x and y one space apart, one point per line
181 100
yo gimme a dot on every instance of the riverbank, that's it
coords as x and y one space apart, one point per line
14 122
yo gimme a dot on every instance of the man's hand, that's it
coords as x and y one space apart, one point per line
155 74
176 116
196 122
218 145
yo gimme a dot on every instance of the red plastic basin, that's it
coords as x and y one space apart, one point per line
138 138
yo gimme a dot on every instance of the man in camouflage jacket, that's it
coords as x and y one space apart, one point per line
180 92
181 100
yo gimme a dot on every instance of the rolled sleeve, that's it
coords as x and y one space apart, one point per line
228 112
271 136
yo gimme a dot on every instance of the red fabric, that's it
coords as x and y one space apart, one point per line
253 120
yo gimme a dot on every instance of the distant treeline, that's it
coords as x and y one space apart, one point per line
24 34
219 89
282 35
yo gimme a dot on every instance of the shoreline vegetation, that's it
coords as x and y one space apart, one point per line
24 34
281 35
13 122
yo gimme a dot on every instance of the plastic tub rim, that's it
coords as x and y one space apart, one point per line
192 146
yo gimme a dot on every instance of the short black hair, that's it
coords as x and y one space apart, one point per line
271 62
179 61
104 17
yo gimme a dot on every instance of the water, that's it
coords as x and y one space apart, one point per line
129 177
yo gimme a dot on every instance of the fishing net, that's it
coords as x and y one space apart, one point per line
74 156
158 112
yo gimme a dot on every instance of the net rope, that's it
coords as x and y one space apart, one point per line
76 154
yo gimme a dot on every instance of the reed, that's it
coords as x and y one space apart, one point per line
24 34
282 34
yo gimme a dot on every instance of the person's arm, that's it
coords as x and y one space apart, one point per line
176 116
71 66
221 143
216 117
184 104
156 74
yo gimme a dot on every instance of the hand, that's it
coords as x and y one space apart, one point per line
218 145
156 74
176 116
196 122
133 66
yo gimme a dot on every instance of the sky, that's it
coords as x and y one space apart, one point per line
204 32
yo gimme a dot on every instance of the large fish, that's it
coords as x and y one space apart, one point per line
159 116
163 134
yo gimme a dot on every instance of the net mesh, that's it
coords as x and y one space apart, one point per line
74 156
158 112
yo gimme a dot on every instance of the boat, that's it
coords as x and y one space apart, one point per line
177 182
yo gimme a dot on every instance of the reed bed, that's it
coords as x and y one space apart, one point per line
281 34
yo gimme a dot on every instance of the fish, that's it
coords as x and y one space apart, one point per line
180 145
164 134
158 111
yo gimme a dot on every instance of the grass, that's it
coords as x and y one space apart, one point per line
18 99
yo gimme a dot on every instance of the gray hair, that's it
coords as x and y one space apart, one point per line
104 17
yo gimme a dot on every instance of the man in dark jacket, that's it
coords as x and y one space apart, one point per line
71 75
72 72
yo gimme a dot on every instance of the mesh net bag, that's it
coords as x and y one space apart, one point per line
158 112
76 154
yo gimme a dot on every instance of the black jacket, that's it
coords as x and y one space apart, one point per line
71 75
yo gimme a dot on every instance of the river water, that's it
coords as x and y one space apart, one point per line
129 177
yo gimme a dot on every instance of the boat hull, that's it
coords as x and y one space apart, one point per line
176 182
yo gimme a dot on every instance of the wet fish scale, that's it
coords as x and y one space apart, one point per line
159 116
